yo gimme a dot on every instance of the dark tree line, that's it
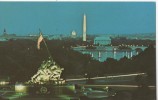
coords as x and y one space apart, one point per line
123 40
20 60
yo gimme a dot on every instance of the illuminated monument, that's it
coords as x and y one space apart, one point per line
47 80
84 28
49 71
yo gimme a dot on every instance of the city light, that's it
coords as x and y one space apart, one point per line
20 88
4 83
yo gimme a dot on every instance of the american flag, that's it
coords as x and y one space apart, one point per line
39 41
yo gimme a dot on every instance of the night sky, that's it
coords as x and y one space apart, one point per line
23 18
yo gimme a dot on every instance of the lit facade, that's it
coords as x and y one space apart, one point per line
102 41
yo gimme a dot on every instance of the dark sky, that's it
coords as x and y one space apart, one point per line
23 18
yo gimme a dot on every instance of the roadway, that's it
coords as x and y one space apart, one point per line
81 82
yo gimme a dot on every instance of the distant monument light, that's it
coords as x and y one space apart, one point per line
84 28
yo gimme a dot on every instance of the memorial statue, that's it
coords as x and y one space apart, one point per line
49 71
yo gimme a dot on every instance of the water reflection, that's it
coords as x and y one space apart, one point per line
101 54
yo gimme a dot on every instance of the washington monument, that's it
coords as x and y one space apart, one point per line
84 27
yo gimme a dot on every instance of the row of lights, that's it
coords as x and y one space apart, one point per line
4 83
130 45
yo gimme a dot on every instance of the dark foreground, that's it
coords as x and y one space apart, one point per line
89 92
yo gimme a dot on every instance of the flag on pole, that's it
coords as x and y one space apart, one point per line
39 41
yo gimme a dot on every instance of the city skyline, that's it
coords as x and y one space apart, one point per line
23 18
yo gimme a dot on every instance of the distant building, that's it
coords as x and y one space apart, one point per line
54 37
73 34
3 39
102 40
5 33
5 36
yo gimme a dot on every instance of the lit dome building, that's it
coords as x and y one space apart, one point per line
73 34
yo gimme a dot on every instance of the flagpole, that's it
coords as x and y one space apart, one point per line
46 45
